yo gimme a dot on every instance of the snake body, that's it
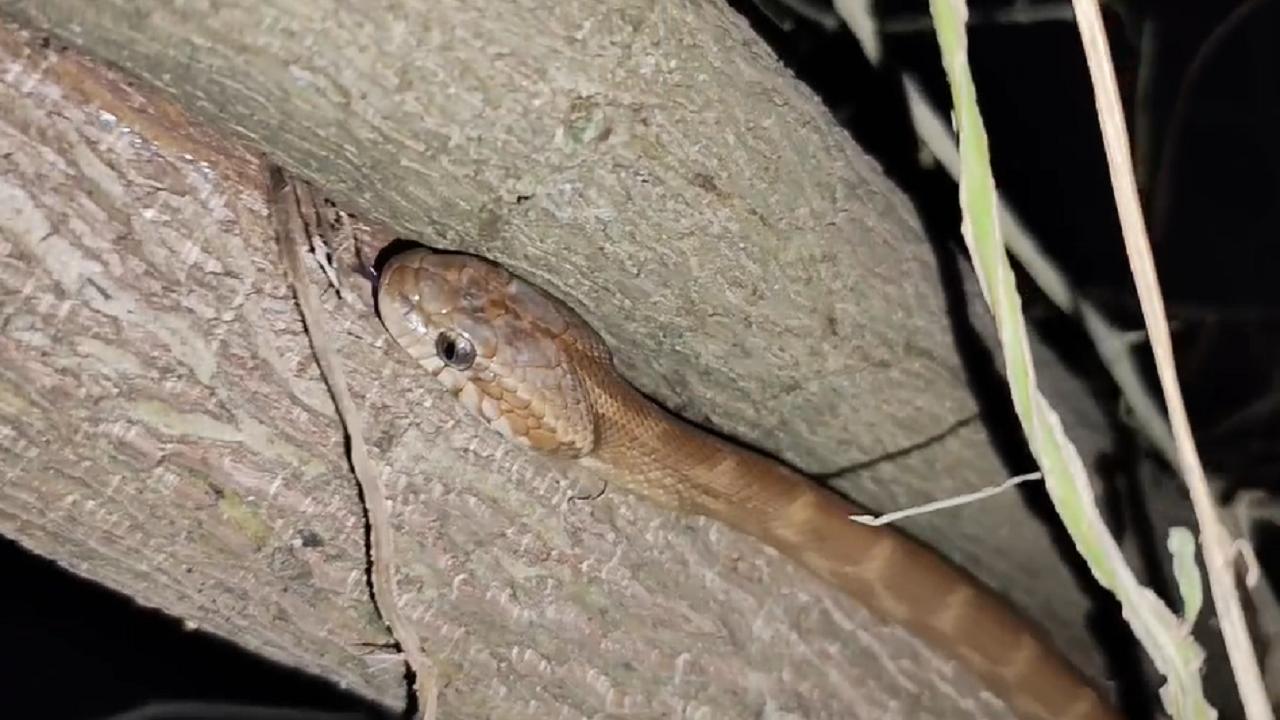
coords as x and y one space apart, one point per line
535 371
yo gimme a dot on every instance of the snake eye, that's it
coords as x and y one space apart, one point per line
455 349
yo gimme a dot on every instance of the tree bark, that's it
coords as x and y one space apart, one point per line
652 164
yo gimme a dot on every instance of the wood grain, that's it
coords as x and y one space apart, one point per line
166 431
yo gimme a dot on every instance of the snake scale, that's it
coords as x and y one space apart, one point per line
536 372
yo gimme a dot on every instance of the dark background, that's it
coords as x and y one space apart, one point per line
1202 83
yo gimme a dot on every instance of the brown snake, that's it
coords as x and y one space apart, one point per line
536 372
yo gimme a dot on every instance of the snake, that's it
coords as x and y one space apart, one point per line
535 371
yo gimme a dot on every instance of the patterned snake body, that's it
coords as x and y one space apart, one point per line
536 372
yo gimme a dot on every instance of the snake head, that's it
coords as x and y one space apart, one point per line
496 342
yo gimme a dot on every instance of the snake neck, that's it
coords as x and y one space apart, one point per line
656 454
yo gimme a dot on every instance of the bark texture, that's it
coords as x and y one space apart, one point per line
650 163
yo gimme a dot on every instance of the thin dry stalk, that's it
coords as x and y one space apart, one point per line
1215 542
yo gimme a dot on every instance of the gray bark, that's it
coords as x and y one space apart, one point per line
650 163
